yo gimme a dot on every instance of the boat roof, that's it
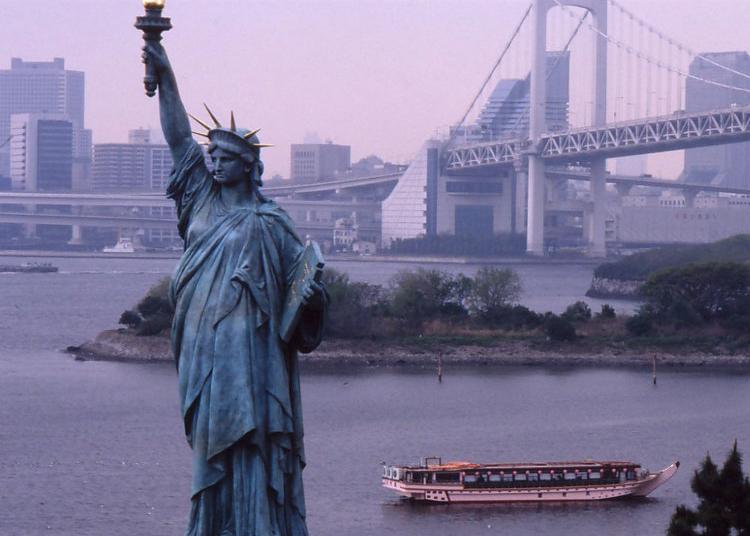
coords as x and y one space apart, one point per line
466 466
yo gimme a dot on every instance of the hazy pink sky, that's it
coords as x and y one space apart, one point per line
379 75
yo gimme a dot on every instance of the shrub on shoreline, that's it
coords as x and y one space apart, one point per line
423 302
607 312
154 312
559 329
577 312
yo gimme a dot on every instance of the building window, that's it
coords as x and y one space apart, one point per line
474 187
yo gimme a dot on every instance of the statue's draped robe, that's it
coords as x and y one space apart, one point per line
238 381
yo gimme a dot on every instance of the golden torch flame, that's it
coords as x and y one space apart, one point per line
154 4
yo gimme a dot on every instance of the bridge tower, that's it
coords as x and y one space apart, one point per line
594 227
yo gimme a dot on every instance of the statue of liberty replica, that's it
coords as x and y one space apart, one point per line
236 354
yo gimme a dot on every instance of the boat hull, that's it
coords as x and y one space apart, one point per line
460 494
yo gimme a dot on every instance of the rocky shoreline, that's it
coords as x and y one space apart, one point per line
602 287
121 345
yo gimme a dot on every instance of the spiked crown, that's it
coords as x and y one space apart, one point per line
240 141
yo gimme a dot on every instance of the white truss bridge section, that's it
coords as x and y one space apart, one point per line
653 135
486 154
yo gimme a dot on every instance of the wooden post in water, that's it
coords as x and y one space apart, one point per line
440 368
653 368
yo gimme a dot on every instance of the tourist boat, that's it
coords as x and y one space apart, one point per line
123 245
29 268
463 482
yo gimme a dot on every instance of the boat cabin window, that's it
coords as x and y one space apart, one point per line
447 477
533 477
545 477
631 475
595 475
582 475
414 477
570 476
508 477
520 477
495 478
469 479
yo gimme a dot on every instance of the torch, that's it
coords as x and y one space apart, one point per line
152 25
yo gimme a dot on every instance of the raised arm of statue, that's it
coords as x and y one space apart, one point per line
174 118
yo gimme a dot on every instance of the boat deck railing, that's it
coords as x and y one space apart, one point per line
525 483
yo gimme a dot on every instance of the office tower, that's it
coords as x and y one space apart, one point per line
30 87
724 165
506 112
131 167
319 161
41 152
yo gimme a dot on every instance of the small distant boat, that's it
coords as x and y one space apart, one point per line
463 482
29 268
124 245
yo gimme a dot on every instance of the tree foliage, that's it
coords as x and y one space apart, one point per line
559 329
354 308
607 312
492 291
427 294
724 501
577 312
640 266
700 291
641 323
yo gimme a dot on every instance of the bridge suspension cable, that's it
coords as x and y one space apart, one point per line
649 59
527 108
674 42
497 64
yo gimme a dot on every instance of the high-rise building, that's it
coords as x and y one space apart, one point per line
139 136
30 87
725 165
506 112
131 167
41 152
319 161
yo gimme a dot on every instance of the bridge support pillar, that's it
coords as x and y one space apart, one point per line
689 196
597 246
536 201
623 189
537 122
519 186
76 238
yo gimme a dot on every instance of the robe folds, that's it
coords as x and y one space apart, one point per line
238 381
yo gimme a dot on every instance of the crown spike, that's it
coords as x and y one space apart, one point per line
213 117
201 123
251 134
232 125
200 134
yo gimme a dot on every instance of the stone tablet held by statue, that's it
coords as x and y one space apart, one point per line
309 270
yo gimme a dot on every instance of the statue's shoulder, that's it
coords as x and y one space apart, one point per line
271 210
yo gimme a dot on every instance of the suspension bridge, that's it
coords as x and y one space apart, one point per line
633 102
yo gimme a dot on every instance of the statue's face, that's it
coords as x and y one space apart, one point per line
229 169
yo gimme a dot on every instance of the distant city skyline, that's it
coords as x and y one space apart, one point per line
379 76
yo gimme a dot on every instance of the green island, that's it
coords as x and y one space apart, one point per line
694 314
625 277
